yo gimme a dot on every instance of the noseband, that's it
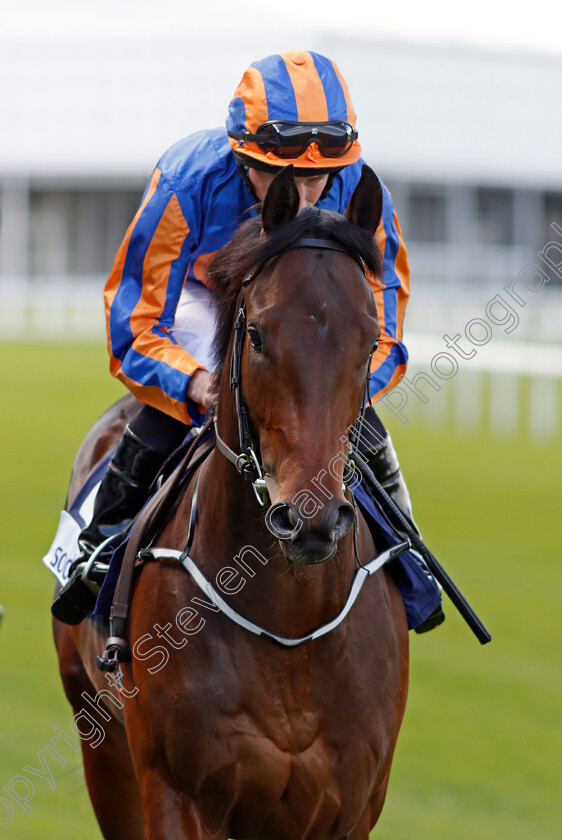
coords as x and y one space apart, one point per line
247 462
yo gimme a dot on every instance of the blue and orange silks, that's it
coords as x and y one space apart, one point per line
192 206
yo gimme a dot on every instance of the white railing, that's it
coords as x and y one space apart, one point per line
510 385
439 308
65 309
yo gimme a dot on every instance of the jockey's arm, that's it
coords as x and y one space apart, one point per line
391 294
141 298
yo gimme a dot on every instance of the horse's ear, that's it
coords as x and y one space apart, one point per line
365 207
282 201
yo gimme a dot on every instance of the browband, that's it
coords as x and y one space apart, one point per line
309 242
330 245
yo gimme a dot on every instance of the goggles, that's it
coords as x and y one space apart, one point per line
290 139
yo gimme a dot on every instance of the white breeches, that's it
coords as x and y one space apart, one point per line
194 325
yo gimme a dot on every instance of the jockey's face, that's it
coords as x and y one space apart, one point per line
310 187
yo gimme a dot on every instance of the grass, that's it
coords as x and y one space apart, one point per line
479 752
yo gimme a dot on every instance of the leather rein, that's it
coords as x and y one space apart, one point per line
248 465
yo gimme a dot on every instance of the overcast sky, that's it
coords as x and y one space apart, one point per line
536 25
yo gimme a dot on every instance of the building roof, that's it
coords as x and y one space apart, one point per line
108 104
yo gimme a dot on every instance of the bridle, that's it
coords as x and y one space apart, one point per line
247 461
248 465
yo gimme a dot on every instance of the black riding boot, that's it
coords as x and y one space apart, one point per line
383 461
122 493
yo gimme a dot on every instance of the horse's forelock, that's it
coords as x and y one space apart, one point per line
247 251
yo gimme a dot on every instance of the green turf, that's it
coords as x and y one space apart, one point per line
479 752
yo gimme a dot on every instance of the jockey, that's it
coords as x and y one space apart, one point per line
291 108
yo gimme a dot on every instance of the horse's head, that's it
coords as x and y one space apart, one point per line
310 327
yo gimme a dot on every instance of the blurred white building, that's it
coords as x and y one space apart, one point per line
467 139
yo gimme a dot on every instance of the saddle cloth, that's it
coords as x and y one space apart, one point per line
64 548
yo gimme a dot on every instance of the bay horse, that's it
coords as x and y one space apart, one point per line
215 732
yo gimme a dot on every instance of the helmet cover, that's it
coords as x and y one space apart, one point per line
295 86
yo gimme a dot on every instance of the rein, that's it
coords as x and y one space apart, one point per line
248 465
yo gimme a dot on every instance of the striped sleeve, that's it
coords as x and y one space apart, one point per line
391 294
141 297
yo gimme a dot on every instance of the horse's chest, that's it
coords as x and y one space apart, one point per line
263 737
283 743
284 774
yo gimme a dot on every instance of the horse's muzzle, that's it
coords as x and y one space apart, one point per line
310 540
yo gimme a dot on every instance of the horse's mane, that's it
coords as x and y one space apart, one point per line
247 250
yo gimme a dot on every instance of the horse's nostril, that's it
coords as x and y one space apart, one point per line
283 521
342 520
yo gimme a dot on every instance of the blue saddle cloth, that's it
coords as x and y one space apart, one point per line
419 591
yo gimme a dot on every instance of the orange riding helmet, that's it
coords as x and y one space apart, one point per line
293 107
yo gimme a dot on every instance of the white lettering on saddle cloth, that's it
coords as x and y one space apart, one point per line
65 544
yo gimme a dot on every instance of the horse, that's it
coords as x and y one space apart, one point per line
212 732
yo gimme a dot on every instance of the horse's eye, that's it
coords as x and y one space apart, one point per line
255 339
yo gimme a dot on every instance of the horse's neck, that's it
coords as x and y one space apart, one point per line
239 555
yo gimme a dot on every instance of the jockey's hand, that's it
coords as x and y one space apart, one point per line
201 388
